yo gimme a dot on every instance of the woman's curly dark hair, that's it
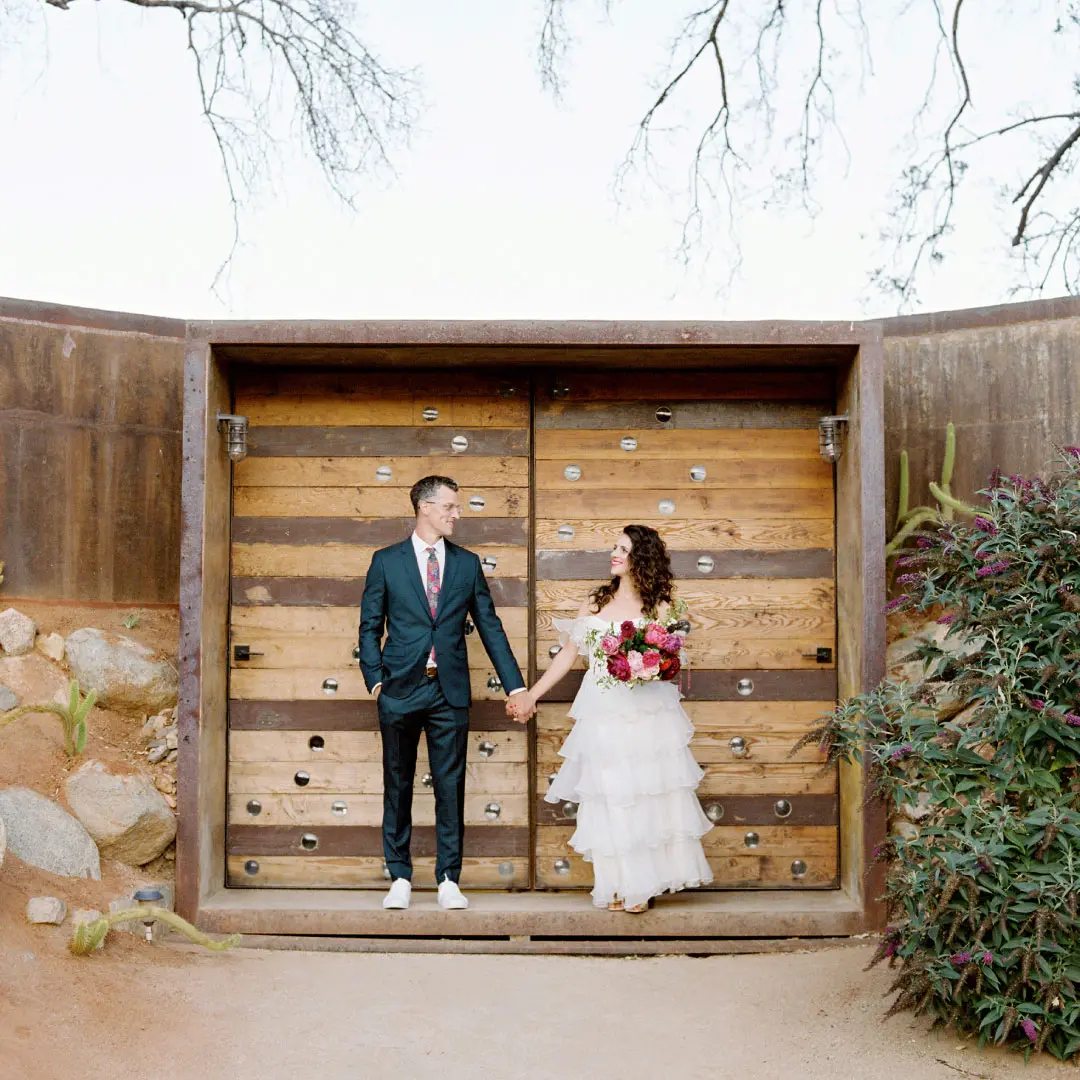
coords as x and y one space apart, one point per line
650 571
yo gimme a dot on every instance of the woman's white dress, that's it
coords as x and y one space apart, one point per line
630 770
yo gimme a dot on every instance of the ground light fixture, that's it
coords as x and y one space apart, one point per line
148 897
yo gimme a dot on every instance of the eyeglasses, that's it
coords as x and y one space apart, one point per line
445 507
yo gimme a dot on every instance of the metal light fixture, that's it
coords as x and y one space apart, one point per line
148 897
235 428
830 436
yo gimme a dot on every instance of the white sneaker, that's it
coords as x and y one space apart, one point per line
398 896
450 896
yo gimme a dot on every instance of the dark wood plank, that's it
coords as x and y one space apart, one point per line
734 810
696 414
330 715
721 685
384 442
354 840
805 384
370 532
344 592
553 565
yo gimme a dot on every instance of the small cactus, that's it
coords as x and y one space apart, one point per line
908 519
72 716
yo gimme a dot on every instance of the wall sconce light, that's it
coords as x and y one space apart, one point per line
830 437
235 428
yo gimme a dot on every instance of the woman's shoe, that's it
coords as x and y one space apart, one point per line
637 909
616 905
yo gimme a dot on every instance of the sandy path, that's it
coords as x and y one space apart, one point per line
254 1015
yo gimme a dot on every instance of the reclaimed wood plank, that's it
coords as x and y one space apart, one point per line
335 502
554 565
316 746
339 620
750 778
730 445
306 684
467 470
481 810
675 473
403 410
366 872
500 841
794 841
351 560
601 415
331 715
361 778
704 684
707 598
722 533
795 503
368 442
373 532
743 810
343 592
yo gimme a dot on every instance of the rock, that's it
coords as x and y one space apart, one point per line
8 700
172 739
911 672
171 755
957 645
155 727
46 836
127 816
3 841
947 700
170 800
52 645
967 714
127 676
165 784
87 915
46 909
904 830
914 812
17 632
157 753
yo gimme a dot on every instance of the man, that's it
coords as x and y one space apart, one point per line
421 591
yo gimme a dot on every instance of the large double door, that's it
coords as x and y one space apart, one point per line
550 468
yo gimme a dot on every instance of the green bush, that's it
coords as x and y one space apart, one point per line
982 903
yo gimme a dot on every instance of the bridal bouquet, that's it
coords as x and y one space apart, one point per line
640 652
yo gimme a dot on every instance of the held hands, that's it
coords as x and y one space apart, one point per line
520 707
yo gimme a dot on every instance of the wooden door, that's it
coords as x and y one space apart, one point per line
326 482
726 467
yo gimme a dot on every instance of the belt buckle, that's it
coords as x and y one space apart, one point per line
431 672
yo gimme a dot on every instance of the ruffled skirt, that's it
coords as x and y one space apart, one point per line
629 768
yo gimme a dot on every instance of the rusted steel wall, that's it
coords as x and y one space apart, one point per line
90 416
1008 377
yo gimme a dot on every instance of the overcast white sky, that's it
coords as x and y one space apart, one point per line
113 197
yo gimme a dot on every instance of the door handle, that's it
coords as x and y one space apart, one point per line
821 655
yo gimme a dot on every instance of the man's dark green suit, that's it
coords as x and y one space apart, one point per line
395 599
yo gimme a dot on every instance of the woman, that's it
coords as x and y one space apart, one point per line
628 764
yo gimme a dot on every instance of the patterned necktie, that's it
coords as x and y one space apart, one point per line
432 592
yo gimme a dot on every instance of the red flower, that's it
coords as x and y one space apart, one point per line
619 666
627 630
672 669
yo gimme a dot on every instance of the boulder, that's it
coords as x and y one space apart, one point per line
947 700
46 836
17 632
911 672
3 841
127 676
52 645
123 811
46 909
8 700
902 650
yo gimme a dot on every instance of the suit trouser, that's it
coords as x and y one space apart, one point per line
401 722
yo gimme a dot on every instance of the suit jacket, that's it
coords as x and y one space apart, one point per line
395 597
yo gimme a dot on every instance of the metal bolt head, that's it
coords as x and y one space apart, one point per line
383 474
477 502
737 745
506 869
698 473
329 686
666 506
470 626
489 562
551 778
572 472
459 444
565 532
309 841
663 414
745 687
427 779
569 810
494 684
628 443
782 808
301 779
339 808
316 743
254 807
561 867
554 651
798 868
356 653
714 812
486 748
251 867
560 390
706 564
430 414
751 839
492 811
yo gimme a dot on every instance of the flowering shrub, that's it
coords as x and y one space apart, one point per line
982 902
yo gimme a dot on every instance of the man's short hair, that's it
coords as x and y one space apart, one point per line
426 488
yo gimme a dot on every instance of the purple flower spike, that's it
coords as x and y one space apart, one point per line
1072 719
1072 451
985 525
1038 703
924 542
892 605
992 568
900 751
987 957
910 579
892 948
960 958
1030 1030
946 619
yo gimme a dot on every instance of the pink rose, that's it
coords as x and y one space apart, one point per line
610 644
672 643
651 662
655 634
636 662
